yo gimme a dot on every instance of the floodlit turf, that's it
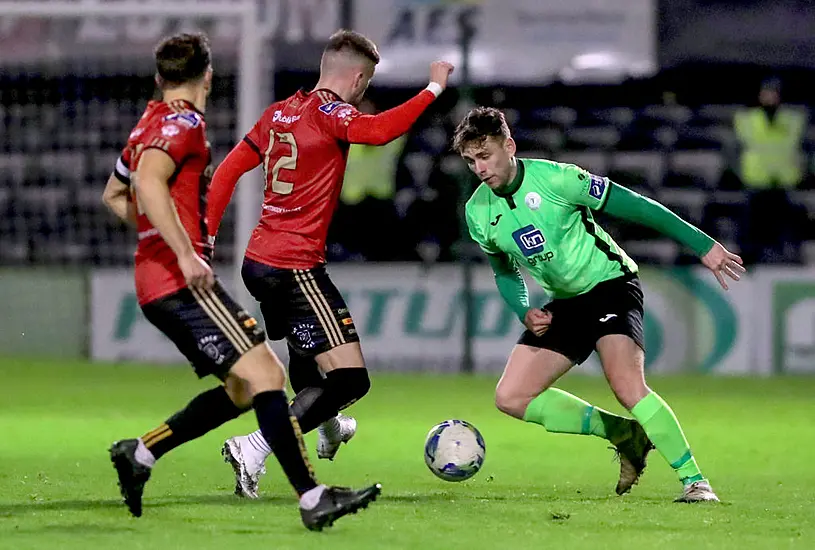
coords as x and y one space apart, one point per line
753 438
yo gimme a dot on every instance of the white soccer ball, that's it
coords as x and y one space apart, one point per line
454 450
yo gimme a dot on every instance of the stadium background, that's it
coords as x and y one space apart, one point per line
642 90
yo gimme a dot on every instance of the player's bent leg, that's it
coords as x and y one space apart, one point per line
525 392
528 372
211 331
320 506
532 369
322 327
623 365
346 382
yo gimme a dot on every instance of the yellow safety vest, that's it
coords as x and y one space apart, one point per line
371 171
771 153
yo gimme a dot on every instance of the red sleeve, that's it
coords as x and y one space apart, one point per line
176 139
240 160
389 125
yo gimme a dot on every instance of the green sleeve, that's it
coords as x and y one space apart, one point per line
578 187
630 206
511 284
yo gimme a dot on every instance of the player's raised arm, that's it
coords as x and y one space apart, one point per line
242 158
155 169
116 195
630 206
384 127
581 188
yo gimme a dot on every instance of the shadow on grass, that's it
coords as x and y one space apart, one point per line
79 505
73 529
220 500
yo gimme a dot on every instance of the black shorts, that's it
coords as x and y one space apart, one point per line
207 326
611 307
301 305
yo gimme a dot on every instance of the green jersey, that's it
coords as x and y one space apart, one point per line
543 221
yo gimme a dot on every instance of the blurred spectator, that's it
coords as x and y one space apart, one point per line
771 137
771 163
366 225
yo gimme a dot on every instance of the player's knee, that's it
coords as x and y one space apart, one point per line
510 403
260 369
348 385
628 395
239 391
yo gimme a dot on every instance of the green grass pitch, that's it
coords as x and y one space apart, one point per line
754 438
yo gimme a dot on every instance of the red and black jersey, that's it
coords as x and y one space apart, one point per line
178 129
302 144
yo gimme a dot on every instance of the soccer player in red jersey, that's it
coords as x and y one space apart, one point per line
302 144
161 183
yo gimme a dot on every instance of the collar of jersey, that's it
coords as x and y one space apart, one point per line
515 184
188 104
306 93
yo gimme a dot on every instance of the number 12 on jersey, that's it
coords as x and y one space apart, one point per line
287 162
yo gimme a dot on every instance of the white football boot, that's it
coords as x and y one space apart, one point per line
246 462
333 433
698 491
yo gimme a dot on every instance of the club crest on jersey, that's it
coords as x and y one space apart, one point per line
533 200
597 186
328 108
530 240
188 118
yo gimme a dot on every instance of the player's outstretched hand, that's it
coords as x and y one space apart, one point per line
440 71
196 272
537 320
721 263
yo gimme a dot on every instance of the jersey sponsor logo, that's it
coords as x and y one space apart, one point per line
279 209
188 119
280 117
597 186
345 112
170 130
530 240
329 108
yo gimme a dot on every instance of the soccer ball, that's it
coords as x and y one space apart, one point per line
454 450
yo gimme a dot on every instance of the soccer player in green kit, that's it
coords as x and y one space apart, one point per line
538 214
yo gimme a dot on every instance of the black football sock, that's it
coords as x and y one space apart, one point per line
282 432
341 388
204 413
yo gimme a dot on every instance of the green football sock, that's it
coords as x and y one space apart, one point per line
662 427
561 412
